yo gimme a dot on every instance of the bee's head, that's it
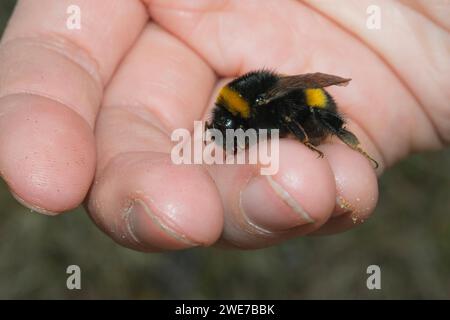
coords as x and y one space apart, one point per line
223 119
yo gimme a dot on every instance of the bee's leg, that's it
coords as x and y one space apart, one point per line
313 148
335 123
297 129
352 141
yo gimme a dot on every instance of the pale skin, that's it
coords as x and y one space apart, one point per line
86 115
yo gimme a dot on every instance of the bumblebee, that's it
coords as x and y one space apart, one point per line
295 105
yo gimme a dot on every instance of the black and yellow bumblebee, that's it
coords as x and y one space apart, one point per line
295 105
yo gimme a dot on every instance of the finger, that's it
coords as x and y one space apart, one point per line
261 210
356 188
140 198
51 83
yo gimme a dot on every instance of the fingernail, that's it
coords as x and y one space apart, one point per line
32 207
268 206
146 228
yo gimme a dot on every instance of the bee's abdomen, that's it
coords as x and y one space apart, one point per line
316 98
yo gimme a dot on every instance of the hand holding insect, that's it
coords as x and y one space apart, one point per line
136 79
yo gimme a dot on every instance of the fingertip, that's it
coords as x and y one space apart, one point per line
47 153
356 188
299 198
356 180
307 178
144 201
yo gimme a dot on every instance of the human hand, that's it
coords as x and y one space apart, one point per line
167 78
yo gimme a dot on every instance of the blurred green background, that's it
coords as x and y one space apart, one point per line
408 237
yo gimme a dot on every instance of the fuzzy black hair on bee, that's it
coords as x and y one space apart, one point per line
295 105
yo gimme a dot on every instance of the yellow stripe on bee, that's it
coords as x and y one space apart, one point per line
316 98
234 102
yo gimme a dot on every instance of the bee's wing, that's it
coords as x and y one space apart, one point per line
303 81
